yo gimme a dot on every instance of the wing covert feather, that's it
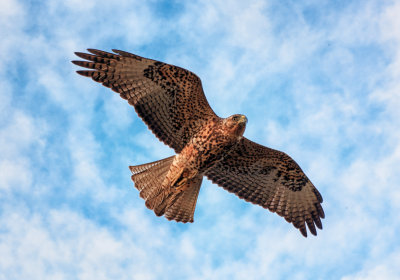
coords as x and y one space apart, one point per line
271 179
169 99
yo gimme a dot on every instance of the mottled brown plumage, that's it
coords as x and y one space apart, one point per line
171 101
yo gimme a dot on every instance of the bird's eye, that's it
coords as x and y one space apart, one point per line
235 118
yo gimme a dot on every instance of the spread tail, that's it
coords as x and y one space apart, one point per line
174 203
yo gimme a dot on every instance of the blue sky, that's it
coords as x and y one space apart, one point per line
317 79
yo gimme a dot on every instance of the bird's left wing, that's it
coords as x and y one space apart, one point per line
271 179
169 99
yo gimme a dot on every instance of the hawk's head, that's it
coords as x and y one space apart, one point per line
236 124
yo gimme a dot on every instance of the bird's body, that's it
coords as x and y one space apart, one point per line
211 143
170 100
204 149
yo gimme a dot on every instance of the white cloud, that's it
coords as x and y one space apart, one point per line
16 175
390 36
18 136
64 245
386 269
12 19
119 115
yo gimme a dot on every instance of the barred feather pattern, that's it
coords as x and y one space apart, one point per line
169 99
174 205
183 208
149 177
272 180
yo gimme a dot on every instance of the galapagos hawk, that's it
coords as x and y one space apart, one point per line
171 101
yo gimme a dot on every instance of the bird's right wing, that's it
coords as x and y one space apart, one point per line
169 99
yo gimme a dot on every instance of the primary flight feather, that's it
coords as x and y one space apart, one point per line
171 101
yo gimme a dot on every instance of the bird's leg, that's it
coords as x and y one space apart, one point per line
177 177
181 184
177 185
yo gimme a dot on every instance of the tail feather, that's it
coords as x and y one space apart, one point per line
149 177
175 203
183 208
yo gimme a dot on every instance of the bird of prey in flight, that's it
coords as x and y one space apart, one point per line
171 101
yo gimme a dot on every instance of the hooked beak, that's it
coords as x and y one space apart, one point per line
243 119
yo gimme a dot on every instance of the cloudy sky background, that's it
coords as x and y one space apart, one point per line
317 79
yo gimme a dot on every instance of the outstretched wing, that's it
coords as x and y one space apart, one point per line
169 99
273 180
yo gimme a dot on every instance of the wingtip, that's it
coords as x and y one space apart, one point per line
303 231
318 222
121 53
126 54
83 73
313 231
321 213
81 54
318 195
